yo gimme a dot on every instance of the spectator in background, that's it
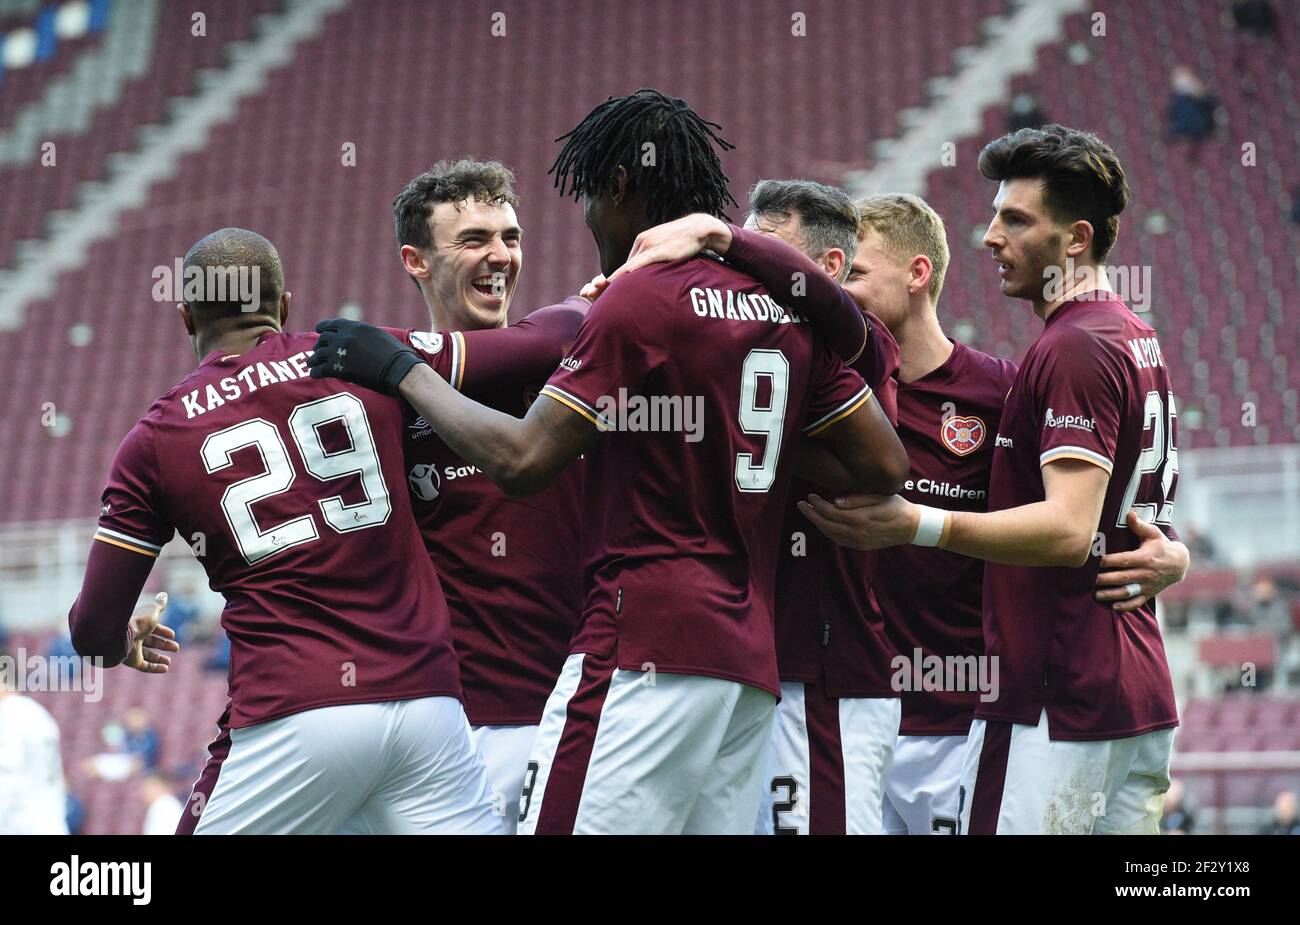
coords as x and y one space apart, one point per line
1191 109
115 762
76 811
220 660
1255 18
141 739
183 612
1177 819
1202 550
32 797
61 647
1269 612
1025 113
1285 821
163 808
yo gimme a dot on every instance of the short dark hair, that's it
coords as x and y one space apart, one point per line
828 216
232 250
686 173
1082 177
490 182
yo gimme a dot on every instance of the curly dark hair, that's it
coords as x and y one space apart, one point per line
613 135
489 182
1082 177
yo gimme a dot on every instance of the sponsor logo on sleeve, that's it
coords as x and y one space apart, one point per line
428 341
1075 421
961 434
571 363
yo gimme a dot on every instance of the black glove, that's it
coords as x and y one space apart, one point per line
361 353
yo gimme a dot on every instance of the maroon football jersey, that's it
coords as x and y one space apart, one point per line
829 627
510 567
933 599
1094 386
706 383
291 491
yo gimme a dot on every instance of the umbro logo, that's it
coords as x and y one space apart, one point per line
418 429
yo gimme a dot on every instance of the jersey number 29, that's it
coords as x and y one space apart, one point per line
304 426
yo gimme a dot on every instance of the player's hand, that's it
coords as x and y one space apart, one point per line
152 639
361 353
592 290
676 240
863 521
1129 579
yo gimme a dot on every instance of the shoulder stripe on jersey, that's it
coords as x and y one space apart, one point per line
126 537
457 360
574 403
866 339
1076 452
840 413
123 542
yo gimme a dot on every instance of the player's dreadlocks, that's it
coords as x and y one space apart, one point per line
685 175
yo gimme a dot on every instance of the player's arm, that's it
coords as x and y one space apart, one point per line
106 623
860 452
1155 565
1057 531
787 274
479 362
521 455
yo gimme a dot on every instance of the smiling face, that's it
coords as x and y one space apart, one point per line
475 263
1025 240
878 281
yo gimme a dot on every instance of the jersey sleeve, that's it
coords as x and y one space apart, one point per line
131 533
624 337
1078 391
878 365
131 514
836 392
475 362
797 282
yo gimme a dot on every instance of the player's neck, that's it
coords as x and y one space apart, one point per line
922 345
232 343
1083 278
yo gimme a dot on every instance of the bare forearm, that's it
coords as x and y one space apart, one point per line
489 439
815 462
1035 534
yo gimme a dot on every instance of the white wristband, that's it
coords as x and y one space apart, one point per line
930 528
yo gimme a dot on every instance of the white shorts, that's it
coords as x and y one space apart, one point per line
921 789
404 767
645 753
1017 781
827 762
505 751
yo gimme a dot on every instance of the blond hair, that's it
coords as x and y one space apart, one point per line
907 226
